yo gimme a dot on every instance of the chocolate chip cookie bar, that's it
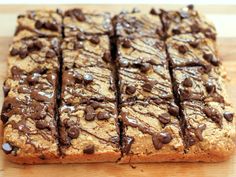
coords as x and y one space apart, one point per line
151 132
88 22
209 131
194 83
192 50
186 20
39 23
86 51
136 23
34 53
89 132
28 114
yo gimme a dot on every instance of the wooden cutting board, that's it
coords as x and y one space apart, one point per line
220 15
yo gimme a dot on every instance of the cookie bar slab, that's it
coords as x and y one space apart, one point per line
86 51
194 83
137 23
143 82
28 114
33 54
138 50
89 132
187 20
151 132
77 21
39 23
192 50
209 131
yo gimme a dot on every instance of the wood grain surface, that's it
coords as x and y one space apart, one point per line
227 49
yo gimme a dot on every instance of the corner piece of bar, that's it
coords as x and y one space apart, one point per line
136 23
78 21
89 132
192 50
39 23
28 113
210 131
187 20
151 132
34 54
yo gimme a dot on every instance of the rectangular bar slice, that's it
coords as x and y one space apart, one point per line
34 54
187 20
89 132
39 23
151 132
86 51
77 21
28 113
135 50
209 131
192 50
193 83
136 23
136 84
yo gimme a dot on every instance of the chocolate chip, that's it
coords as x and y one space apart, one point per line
95 40
160 139
95 104
210 87
89 113
88 78
207 68
164 118
228 116
73 132
79 15
123 62
78 45
210 58
51 26
126 43
106 56
173 109
190 6
194 44
156 142
89 149
145 67
42 124
209 34
104 115
213 114
80 36
176 30
7 148
195 28
38 24
38 45
130 90
14 52
147 86
187 82
50 54
154 12
165 137
182 49
185 94
23 53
